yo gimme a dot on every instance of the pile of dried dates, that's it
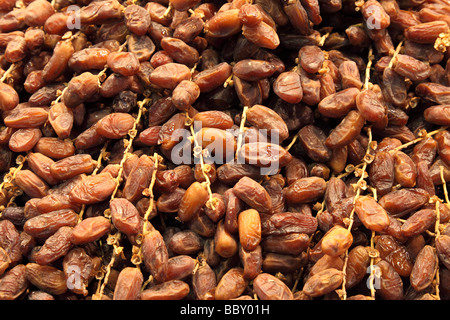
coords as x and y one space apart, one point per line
214 150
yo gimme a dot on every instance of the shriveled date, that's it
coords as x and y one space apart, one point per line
268 287
90 229
305 190
129 283
323 282
252 193
93 189
424 269
125 216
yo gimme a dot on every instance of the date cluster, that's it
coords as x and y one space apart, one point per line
224 150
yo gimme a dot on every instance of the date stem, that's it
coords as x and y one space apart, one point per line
168 10
437 234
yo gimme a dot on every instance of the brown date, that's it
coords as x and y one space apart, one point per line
125 216
268 287
155 254
93 189
231 285
323 282
169 290
72 166
403 201
129 283
55 246
253 194
265 118
46 224
391 283
193 200
395 253
13 283
305 190
90 229
249 225
372 215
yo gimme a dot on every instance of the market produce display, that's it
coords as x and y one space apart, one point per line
213 150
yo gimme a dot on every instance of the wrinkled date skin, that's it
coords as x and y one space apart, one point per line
170 75
115 125
139 178
155 254
403 201
80 89
289 87
424 269
288 222
263 154
305 190
381 172
358 261
313 140
129 283
169 290
13 283
323 282
55 247
391 286
93 189
46 224
340 103
47 278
